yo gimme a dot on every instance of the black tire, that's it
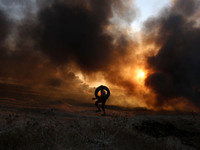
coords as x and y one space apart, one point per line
99 88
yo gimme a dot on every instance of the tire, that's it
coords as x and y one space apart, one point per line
99 88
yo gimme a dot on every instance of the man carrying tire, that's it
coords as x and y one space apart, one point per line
104 94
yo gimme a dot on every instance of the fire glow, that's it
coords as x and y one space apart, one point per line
141 75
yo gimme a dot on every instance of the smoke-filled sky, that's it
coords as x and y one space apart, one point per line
68 48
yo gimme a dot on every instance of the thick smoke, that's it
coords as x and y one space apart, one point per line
67 32
75 31
81 32
47 43
176 65
4 30
55 38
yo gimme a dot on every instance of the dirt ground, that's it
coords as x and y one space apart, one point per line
28 122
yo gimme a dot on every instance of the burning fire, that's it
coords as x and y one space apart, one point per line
141 74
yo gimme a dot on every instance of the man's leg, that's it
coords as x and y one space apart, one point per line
96 103
103 107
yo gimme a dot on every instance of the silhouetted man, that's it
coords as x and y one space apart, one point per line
102 98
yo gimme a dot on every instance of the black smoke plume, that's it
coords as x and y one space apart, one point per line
177 64
81 32
4 30
76 31
46 43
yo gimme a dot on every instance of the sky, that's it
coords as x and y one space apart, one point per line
146 52
148 8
